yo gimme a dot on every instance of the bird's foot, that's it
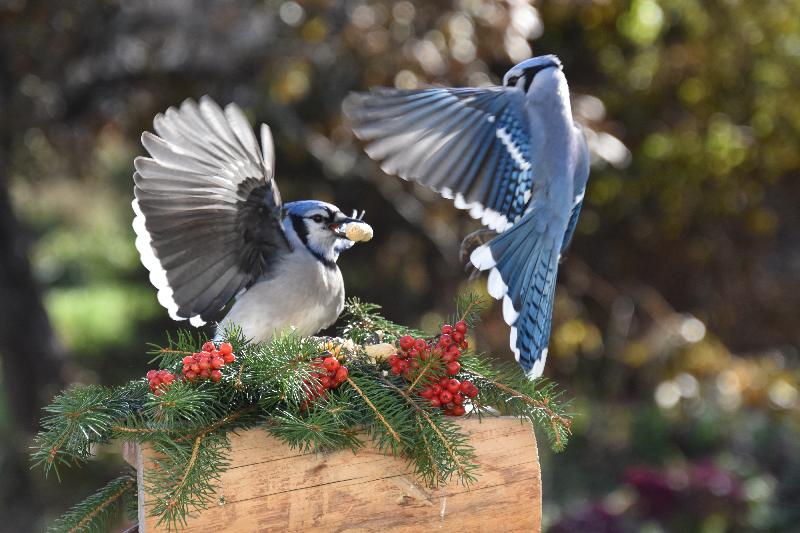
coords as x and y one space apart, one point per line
470 242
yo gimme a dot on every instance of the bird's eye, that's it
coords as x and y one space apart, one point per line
317 218
512 81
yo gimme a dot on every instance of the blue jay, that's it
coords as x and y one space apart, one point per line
211 227
514 158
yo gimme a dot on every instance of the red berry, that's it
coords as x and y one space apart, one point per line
195 368
454 352
447 357
436 388
420 344
151 374
325 381
444 381
205 373
427 393
453 385
190 375
458 398
445 396
413 352
466 385
393 359
472 392
435 402
186 368
228 357
341 374
208 346
406 342
464 345
453 368
204 364
225 347
458 337
449 406
445 340
216 375
188 360
447 329
459 410
330 364
217 363
461 327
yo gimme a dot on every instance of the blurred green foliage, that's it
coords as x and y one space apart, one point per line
676 327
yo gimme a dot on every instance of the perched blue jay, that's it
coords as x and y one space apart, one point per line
211 227
513 157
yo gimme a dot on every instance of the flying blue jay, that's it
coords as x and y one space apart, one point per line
211 227
513 157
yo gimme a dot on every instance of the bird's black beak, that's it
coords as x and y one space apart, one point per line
339 224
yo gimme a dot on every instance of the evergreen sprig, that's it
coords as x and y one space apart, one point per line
270 385
79 418
95 513
363 324
511 393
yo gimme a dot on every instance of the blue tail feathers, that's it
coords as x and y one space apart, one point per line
524 264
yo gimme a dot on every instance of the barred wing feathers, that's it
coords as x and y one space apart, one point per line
470 145
208 213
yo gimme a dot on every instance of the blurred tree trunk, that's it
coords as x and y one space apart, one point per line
32 358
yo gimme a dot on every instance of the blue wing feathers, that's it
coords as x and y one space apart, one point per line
448 139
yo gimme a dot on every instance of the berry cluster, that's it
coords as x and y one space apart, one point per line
159 379
439 362
330 374
206 364
413 353
450 394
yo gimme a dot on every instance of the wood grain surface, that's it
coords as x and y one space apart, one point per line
270 487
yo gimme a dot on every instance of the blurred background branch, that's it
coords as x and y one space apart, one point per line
676 324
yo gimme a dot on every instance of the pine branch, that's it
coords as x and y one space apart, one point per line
78 418
469 307
184 476
279 371
512 393
327 426
458 451
96 512
392 432
363 321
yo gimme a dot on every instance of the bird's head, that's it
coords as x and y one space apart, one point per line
522 74
322 228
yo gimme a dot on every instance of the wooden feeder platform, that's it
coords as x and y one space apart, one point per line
270 487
